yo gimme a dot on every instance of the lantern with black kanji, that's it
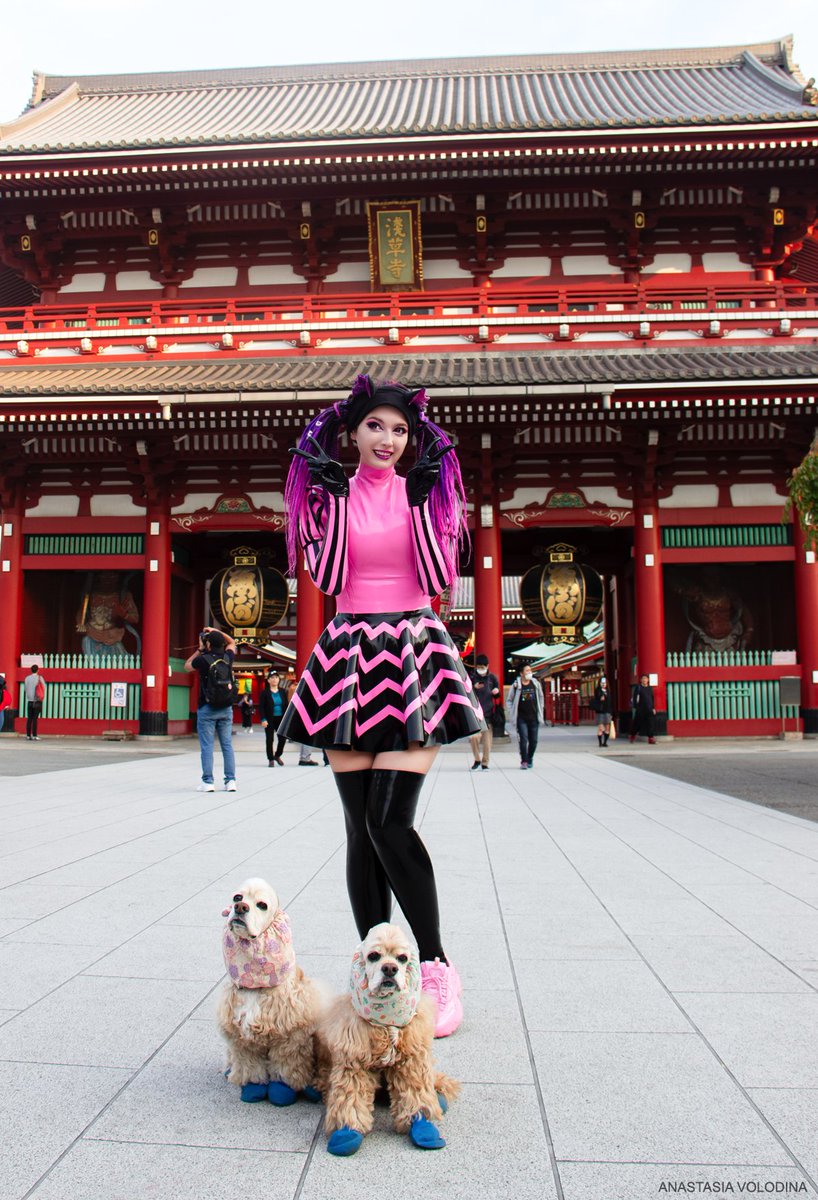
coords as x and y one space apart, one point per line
250 597
562 596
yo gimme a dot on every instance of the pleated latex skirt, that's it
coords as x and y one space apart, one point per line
380 681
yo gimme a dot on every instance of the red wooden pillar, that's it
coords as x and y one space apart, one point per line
806 616
11 599
650 602
625 646
488 587
309 617
153 708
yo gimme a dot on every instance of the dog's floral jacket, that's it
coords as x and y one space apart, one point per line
260 962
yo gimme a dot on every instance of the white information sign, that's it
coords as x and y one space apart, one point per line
119 695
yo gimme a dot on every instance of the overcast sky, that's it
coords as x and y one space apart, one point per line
87 37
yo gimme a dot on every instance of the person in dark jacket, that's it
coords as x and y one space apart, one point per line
603 707
525 708
643 710
486 687
246 712
271 705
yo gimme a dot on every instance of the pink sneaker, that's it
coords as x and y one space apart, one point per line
441 981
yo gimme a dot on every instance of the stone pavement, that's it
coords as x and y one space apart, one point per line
639 959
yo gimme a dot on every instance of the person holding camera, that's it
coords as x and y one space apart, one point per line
218 692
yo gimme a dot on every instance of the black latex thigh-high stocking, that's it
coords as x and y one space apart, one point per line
369 893
390 815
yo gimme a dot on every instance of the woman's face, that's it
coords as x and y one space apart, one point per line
273 680
381 437
526 674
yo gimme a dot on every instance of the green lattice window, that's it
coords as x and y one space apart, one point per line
693 536
85 543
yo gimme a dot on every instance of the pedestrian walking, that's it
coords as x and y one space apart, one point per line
526 709
486 690
271 706
384 687
5 701
34 686
217 694
643 711
603 707
305 758
246 712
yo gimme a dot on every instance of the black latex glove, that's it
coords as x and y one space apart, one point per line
324 471
424 474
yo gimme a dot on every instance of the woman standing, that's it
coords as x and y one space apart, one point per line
603 705
525 709
384 687
271 705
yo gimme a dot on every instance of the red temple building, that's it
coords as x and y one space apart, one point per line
604 267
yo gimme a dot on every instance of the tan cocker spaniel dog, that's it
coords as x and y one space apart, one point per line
381 1030
269 1009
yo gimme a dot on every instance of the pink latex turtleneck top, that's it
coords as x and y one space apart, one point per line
382 574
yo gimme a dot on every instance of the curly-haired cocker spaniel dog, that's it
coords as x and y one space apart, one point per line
269 1009
381 1030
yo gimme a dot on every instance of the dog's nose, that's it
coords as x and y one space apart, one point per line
242 908
390 970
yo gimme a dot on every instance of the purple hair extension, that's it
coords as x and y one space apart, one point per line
447 499
324 428
362 386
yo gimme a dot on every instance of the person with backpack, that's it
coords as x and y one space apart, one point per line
218 692
525 707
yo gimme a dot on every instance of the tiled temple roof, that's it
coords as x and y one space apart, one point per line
458 372
430 97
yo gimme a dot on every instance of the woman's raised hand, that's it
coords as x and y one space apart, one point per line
424 474
324 471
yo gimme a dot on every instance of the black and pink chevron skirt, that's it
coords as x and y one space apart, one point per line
379 681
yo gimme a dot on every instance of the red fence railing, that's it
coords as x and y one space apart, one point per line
597 299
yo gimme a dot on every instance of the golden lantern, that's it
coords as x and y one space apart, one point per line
250 597
562 596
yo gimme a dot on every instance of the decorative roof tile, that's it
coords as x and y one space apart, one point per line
434 97
458 372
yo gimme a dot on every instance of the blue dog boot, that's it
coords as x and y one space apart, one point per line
424 1134
443 1102
345 1141
251 1093
281 1094
312 1094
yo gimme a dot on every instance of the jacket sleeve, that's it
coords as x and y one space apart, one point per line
431 565
322 532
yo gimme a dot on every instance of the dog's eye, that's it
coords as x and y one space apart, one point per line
261 904
402 958
373 956
238 896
